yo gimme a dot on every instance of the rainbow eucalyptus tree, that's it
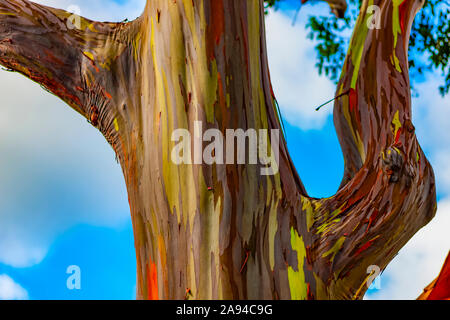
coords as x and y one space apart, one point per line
224 231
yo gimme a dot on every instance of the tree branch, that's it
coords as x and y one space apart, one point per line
57 49
388 192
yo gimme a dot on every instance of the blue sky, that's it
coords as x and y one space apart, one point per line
63 200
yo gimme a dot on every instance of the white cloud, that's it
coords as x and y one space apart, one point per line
419 262
56 170
10 290
296 83
431 114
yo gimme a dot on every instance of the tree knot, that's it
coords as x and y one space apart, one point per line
395 166
392 163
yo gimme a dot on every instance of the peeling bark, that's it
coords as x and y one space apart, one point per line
224 231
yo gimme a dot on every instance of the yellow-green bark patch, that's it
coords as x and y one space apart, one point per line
297 283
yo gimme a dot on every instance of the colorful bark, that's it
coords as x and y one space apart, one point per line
224 231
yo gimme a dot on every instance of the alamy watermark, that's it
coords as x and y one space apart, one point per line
228 149
373 281
74 280
374 21
74 21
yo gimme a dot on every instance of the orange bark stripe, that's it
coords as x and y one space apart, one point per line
152 282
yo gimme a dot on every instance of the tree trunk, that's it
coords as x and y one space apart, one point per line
225 231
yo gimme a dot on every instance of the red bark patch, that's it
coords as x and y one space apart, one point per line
364 247
441 290
216 26
353 99
106 94
397 136
372 218
402 15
